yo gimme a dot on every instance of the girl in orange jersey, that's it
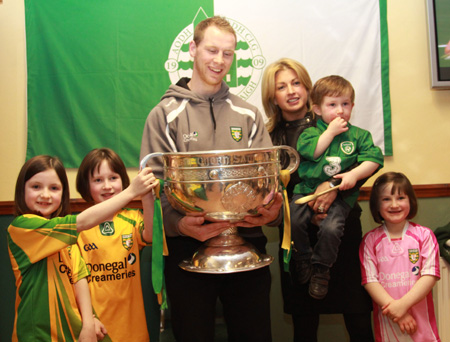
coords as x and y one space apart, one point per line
52 296
111 249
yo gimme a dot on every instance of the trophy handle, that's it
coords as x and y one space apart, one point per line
147 157
294 158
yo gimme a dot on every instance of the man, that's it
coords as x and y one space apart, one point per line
196 115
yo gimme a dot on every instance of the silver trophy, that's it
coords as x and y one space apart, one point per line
224 185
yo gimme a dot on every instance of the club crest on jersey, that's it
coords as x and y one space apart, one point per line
347 147
236 133
127 241
413 255
107 228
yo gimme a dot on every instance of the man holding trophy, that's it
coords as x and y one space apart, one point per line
200 114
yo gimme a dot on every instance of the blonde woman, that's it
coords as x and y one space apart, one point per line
286 88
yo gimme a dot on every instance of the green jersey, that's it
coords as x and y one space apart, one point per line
46 262
353 146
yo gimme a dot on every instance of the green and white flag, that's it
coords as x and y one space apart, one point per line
97 67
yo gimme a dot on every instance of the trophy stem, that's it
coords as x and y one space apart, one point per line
226 253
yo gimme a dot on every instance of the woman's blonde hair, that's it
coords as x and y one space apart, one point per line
268 88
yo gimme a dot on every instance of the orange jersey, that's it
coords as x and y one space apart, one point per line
111 251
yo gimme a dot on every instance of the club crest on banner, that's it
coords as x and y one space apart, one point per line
245 72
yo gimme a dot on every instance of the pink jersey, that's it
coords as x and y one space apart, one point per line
397 264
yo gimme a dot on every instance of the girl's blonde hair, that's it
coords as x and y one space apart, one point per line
32 167
268 88
400 183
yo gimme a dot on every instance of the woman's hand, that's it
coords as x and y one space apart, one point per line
323 203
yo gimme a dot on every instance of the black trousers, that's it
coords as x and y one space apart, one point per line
193 297
358 325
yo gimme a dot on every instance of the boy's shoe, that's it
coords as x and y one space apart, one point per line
303 271
318 287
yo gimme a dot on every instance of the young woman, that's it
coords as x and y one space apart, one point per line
286 88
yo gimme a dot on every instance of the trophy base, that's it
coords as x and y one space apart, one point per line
226 254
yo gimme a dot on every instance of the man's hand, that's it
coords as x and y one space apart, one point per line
266 215
194 227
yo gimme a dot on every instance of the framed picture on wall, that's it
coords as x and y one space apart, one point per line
439 42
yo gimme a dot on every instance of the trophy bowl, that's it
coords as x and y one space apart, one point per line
224 185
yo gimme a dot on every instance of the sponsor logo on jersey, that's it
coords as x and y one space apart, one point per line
415 270
190 137
396 248
347 147
245 72
89 247
131 258
333 167
413 255
127 241
112 271
383 259
236 133
107 228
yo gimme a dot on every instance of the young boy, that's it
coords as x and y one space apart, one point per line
332 149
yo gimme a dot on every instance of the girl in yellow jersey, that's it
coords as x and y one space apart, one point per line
111 249
52 296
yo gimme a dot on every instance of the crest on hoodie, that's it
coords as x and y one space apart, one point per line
245 72
236 133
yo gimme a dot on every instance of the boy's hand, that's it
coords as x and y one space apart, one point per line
337 126
407 324
349 180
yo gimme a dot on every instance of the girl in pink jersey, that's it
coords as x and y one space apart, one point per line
52 297
399 264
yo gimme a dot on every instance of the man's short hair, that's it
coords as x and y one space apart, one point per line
217 21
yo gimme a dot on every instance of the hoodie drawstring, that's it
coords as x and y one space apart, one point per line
211 110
